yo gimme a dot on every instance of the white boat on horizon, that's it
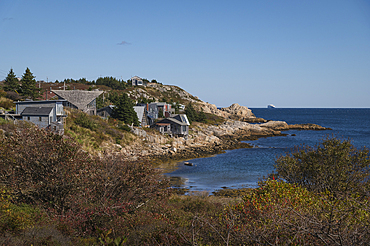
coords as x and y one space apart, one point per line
271 106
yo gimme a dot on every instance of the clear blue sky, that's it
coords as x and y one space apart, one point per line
289 53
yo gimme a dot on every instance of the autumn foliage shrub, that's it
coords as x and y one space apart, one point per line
41 167
279 213
81 192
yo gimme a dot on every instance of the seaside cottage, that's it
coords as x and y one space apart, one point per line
44 114
82 100
178 125
106 111
137 81
40 116
164 128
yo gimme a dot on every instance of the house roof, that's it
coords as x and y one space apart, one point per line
78 98
181 117
40 102
173 120
136 77
37 111
140 112
163 124
107 107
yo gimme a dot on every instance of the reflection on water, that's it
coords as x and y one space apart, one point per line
178 182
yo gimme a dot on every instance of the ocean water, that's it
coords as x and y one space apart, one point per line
244 167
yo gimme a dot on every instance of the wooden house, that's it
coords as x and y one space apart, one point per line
42 113
137 81
177 125
82 100
105 112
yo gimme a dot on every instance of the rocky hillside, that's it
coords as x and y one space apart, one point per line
170 93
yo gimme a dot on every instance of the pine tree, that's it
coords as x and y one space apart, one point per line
201 117
11 82
191 113
124 110
29 88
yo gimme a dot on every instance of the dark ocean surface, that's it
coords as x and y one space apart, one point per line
244 167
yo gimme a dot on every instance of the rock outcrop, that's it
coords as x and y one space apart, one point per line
235 111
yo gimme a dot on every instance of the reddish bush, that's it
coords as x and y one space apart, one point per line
82 192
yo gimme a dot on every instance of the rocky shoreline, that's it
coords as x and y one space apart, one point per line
239 124
205 140
231 141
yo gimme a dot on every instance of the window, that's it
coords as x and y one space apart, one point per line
40 118
28 118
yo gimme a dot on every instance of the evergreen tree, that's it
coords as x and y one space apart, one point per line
202 116
11 82
124 110
191 113
29 88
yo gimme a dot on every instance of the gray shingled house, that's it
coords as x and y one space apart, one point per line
82 100
137 81
105 112
44 114
178 125
40 116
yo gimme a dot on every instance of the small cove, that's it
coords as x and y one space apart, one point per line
241 168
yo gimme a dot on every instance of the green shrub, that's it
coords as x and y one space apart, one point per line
334 165
84 121
125 127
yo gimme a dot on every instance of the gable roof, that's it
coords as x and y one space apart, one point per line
140 112
39 102
166 120
37 111
78 98
136 77
109 107
181 117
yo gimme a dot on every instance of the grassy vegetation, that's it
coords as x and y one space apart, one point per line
93 131
6 103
